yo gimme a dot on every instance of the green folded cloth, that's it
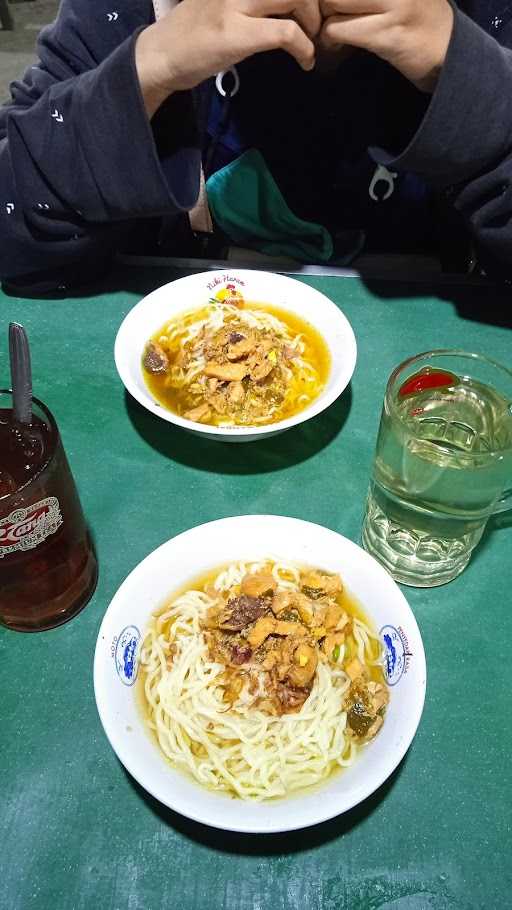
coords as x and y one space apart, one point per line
249 207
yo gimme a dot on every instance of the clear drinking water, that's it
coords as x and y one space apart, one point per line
443 460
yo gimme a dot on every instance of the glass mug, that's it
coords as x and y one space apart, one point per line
48 569
443 463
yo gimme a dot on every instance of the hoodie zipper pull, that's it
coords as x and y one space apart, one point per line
382 175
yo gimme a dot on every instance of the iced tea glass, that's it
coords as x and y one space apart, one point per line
442 467
48 568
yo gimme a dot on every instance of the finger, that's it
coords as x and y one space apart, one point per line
306 12
272 34
352 7
358 31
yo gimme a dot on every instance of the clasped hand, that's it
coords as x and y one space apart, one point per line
412 35
199 38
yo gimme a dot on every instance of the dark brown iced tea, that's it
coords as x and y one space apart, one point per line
48 568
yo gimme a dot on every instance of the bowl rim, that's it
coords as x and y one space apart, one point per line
320 403
357 795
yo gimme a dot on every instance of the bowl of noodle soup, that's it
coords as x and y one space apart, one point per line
235 356
259 752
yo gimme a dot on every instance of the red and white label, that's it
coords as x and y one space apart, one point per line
25 529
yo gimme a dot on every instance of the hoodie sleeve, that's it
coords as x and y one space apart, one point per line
78 156
463 145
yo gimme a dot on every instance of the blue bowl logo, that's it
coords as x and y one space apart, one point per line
396 653
125 655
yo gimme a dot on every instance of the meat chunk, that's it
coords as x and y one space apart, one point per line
315 584
267 625
155 359
379 696
236 393
319 614
241 612
285 649
260 365
359 720
270 660
211 620
305 662
240 654
334 616
363 719
282 602
219 399
264 627
220 646
304 607
289 628
285 601
199 414
239 346
258 584
359 714
290 698
227 372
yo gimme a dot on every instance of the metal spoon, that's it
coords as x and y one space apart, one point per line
21 373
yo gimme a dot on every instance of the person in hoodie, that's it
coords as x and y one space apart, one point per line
385 123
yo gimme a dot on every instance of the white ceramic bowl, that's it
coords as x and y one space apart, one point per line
214 544
193 291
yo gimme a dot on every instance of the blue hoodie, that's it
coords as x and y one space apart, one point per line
84 174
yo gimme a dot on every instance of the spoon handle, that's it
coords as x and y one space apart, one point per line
21 373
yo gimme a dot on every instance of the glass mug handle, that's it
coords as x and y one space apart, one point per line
504 503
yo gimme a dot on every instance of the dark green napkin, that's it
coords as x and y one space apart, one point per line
249 207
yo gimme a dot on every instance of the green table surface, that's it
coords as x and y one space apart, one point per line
77 833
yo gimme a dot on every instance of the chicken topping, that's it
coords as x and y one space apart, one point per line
235 374
316 585
365 705
263 628
227 372
290 698
274 639
200 414
236 392
239 346
241 612
240 654
305 664
258 584
155 359
282 602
